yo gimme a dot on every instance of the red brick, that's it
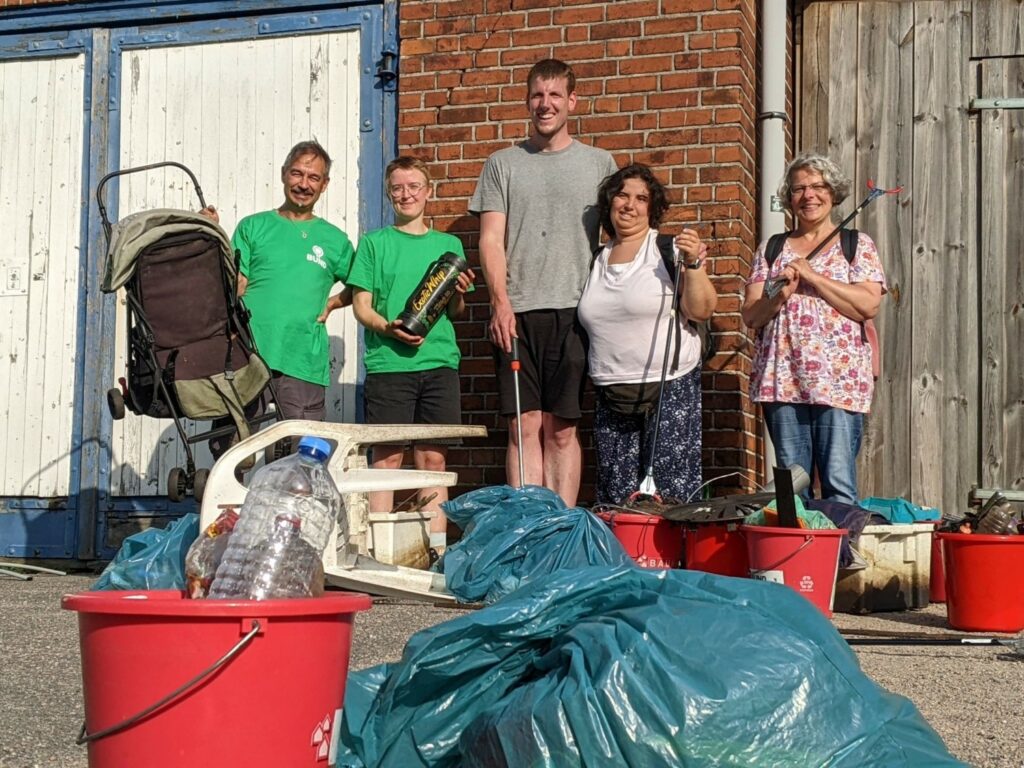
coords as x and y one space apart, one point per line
579 52
565 17
646 64
669 7
631 84
577 34
617 30
656 45
632 10
722 21
670 26
528 37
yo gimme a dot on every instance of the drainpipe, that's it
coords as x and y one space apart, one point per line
772 119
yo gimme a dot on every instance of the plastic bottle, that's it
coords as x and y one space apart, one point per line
431 296
282 529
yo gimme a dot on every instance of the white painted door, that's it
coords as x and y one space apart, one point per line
41 151
230 111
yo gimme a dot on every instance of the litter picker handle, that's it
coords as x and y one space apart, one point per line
514 365
139 169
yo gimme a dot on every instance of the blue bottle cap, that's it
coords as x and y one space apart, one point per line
316 447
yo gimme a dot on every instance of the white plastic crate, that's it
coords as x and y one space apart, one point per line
898 572
401 538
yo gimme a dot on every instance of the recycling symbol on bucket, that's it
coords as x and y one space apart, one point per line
806 584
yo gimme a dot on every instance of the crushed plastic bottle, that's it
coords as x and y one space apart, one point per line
206 552
276 547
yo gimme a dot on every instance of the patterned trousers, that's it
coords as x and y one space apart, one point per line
624 444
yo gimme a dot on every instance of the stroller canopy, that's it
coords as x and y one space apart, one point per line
133 234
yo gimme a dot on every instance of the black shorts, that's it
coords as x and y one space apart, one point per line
421 397
553 364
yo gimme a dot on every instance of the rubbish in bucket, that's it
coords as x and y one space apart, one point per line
803 559
984 581
652 541
717 548
170 681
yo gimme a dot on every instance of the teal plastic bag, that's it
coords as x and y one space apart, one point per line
513 536
899 510
153 558
630 667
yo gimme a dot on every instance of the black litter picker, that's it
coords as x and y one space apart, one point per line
189 351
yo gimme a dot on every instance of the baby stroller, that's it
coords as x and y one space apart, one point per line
189 352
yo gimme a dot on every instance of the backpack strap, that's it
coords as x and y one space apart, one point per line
774 247
848 240
666 247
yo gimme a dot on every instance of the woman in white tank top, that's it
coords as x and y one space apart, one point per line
626 311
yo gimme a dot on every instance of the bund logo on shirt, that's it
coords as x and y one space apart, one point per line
317 257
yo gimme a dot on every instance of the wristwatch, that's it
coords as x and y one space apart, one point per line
694 264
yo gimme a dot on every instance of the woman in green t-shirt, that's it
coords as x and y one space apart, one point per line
409 379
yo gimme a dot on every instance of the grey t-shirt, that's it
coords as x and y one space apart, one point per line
552 227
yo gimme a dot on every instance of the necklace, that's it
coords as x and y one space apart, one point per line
300 224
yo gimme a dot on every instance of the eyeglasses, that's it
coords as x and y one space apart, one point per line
819 188
414 189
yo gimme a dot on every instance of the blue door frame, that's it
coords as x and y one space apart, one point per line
75 527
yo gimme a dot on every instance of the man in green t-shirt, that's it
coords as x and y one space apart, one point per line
409 379
290 260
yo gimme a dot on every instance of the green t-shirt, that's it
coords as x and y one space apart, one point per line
390 264
291 267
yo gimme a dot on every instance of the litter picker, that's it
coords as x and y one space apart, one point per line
1015 644
773 286
647 485
519 410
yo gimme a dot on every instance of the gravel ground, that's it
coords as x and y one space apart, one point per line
41 704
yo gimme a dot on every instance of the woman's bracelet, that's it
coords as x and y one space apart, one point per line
696 264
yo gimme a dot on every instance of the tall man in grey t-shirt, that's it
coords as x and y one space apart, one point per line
538 230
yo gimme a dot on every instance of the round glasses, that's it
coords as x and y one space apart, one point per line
414 189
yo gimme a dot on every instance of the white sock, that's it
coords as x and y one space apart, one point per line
438 539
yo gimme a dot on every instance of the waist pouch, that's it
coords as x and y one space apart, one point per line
631 399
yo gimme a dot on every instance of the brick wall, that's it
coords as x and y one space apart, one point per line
670 83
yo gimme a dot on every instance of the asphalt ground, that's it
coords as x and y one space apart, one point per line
974 697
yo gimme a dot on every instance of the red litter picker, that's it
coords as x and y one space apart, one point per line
519 409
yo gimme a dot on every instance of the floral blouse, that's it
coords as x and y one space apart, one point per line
809 352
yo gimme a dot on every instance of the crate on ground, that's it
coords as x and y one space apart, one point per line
898 573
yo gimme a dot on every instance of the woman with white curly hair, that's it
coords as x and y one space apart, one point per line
812 369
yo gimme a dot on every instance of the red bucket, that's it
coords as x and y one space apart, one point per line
803 559
984 581
717 548
652 541
236 682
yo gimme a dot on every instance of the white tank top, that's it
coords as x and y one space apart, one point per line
625 310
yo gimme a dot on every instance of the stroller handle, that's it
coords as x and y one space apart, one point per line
138 169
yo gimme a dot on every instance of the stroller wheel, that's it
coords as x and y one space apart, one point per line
199 483
177 484
115 402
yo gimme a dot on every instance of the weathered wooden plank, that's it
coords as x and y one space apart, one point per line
884 153
814 76
842 90
944 417
41 126
997 28
1001 235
